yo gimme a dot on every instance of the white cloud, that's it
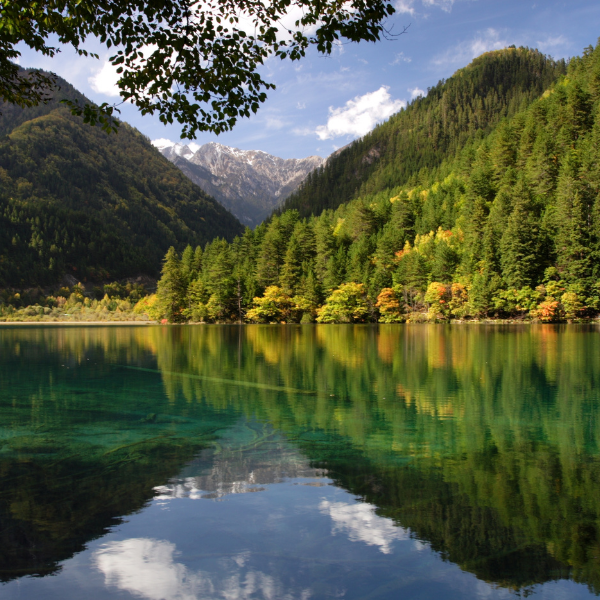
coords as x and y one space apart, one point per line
274 123
552 42
303 131
416 92
408 6
104 81
405 7
161 143
301 105
359 115
147 568
466 51
360 523
400 57
445 5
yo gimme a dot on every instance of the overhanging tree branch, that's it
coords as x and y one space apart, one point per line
195 63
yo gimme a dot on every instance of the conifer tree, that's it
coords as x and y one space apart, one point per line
273 248
325 245
300 251
171 287
573 220
219 281
197 262
520 241
188 272
445 261
498 209
336 270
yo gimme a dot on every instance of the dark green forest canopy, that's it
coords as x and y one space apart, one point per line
431 129
75 199
507 226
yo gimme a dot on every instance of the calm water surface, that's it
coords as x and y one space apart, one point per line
268 462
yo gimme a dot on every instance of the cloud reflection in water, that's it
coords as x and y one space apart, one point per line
361 524
147 568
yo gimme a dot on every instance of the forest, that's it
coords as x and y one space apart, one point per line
431 129
76 200
507 226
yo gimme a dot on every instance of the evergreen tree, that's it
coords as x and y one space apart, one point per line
171 287
188 272
197 262
300 252
336 270
520 241
445 261
573 219
220 281
477 231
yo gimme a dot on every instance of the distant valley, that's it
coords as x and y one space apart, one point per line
249 183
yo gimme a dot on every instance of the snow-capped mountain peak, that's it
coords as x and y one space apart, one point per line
250 183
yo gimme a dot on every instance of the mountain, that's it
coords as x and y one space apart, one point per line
431 129
505 226
250 183
74 199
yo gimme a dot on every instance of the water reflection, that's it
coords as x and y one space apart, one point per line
360 523
248 456
479 443
148 568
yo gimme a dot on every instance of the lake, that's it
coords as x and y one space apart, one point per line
296 462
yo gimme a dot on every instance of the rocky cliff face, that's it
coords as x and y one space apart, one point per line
250 183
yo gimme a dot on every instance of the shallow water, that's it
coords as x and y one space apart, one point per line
413 462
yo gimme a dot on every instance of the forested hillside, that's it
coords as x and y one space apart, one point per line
431 129
509 226
74 199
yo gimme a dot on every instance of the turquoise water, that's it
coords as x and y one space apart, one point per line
296 462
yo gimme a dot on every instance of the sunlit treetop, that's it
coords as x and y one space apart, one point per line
197 63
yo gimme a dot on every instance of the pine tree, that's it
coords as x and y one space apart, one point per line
197 262
172 288
573 220
336 270
300 251
520 241
188 272
219 281
325 246
445 261
273 248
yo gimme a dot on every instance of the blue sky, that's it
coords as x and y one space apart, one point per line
323 103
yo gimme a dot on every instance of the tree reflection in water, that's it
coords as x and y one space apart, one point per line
481 442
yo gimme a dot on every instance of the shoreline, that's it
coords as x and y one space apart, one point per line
148 323
75 323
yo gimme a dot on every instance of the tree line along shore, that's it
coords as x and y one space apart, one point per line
501 221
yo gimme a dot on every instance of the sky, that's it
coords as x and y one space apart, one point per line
323 103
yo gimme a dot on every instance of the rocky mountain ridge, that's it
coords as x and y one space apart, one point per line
250 183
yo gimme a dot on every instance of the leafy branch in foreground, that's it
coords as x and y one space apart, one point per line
193 62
